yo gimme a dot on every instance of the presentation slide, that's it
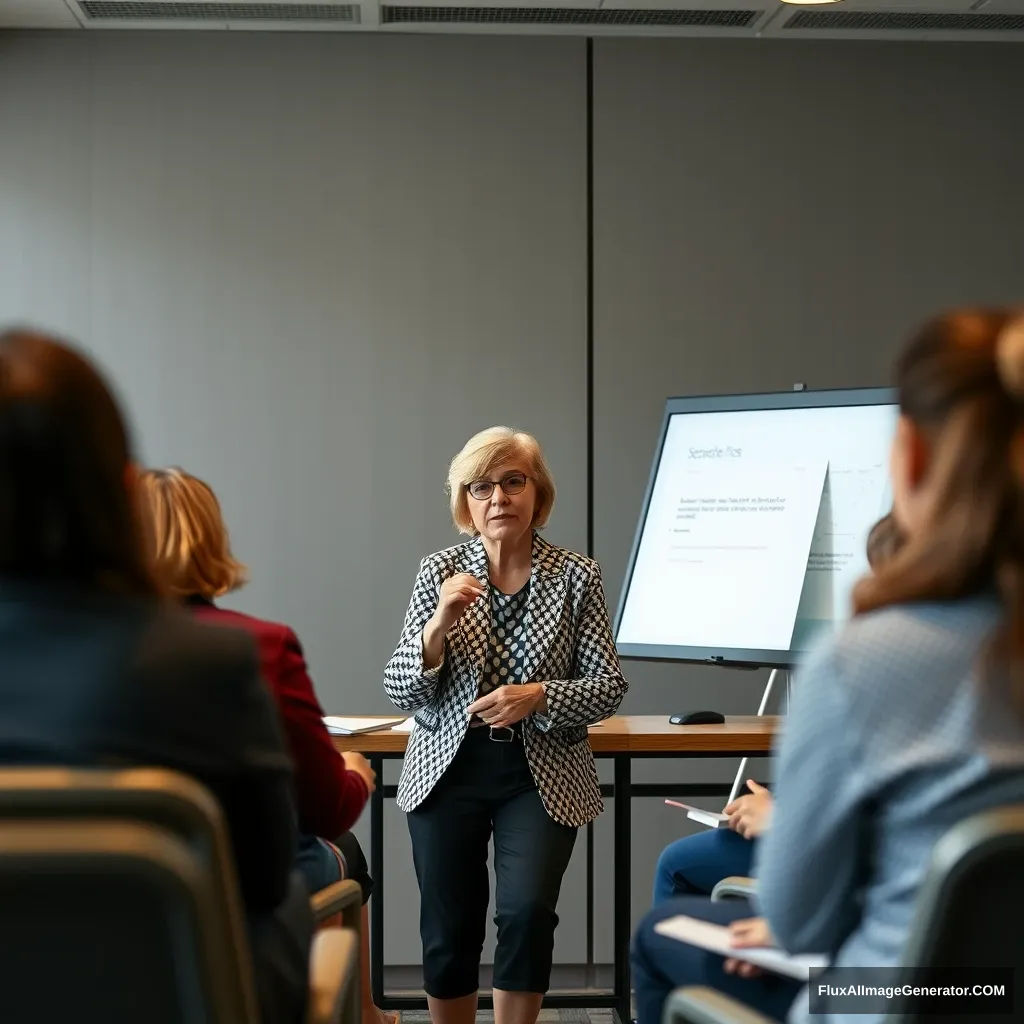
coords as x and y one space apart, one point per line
756 527
730 544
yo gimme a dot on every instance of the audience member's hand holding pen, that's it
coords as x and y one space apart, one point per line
751 815
749 933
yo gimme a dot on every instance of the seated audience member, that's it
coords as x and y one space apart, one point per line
192 559
695 864
913 717
96 670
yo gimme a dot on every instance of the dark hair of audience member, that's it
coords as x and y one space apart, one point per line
66 514
961 383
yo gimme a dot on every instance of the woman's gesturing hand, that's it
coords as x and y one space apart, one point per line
457 593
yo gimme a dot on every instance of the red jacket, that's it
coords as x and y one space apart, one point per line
330 797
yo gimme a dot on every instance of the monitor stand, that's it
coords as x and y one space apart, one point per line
769 686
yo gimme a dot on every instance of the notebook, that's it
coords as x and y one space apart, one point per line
713 819
354 726
715 937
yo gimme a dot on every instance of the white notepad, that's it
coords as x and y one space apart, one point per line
354 726
713 819
715 937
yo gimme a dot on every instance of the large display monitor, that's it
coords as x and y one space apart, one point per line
754 524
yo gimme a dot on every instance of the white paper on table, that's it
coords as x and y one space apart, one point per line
715 937
355 726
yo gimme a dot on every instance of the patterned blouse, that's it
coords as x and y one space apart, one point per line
506 648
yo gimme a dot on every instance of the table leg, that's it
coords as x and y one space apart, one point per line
622 884
589 980
377 874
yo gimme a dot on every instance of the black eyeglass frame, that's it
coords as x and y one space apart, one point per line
491 484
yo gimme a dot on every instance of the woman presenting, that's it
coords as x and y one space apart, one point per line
506 657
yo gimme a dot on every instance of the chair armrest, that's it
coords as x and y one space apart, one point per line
699 1005
333 995
344 897
734 887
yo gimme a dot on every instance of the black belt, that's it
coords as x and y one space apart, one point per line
503 734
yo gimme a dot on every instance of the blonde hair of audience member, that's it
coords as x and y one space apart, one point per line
189 542
958 477
488 450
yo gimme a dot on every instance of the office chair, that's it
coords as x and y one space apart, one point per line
734 887
960 922
344 898
119 903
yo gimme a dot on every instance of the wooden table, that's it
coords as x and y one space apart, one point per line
622 739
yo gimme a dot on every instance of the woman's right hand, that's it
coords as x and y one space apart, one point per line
458 592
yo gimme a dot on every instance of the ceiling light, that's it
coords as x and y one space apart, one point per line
811 3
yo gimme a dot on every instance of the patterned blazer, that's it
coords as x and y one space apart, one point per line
569 649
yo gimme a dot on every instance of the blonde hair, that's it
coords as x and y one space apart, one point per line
189 547
497 446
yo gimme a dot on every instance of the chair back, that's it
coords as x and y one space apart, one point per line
118 901
963 922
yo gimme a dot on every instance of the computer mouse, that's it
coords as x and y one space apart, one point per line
698 718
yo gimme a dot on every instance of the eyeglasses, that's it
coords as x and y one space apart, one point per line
514 483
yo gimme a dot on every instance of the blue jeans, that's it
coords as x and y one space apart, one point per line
319 863
695 864
661 964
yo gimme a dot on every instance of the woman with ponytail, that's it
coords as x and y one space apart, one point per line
912 718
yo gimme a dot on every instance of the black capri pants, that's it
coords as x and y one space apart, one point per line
487 790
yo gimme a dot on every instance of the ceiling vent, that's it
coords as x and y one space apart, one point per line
165 10
394 15
905 21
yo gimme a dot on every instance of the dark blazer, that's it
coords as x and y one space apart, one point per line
570 649
330 796
92 680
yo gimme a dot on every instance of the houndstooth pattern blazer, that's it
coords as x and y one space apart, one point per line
570 649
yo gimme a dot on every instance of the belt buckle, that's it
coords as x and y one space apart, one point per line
502 734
